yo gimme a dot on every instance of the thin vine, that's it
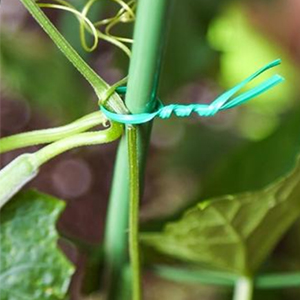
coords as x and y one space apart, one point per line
134 196
126 14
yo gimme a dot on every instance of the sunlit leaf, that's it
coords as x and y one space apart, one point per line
233 233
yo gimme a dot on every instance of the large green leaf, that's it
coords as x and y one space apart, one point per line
32 267
236 232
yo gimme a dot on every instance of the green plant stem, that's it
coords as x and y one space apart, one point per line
190 275
134 198
195 276
141 94
45 136
25 167
99 85
278 281
243 289
78 140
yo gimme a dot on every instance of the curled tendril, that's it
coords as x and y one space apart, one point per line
125 14
82 26
63 5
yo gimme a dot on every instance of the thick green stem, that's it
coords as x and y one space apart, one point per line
141 95
45 136
25 167
78 140
243 289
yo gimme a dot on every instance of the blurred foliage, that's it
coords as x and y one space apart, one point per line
244 49
41 75
235 163
256 164
188 54
240 45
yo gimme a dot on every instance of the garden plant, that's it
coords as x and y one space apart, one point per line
220 241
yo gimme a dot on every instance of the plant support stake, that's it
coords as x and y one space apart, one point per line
141 94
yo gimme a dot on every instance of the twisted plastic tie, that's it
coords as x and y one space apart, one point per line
223 102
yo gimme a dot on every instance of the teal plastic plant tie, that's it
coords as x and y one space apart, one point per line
223 102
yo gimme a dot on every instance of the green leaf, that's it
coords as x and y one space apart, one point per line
233 233
32 267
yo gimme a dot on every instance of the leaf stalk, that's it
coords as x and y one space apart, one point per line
243 289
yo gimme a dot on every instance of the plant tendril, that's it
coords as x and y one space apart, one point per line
82 20
125 14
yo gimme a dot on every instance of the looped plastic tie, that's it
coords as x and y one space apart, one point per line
223 102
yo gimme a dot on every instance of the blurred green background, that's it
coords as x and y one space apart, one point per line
211 46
